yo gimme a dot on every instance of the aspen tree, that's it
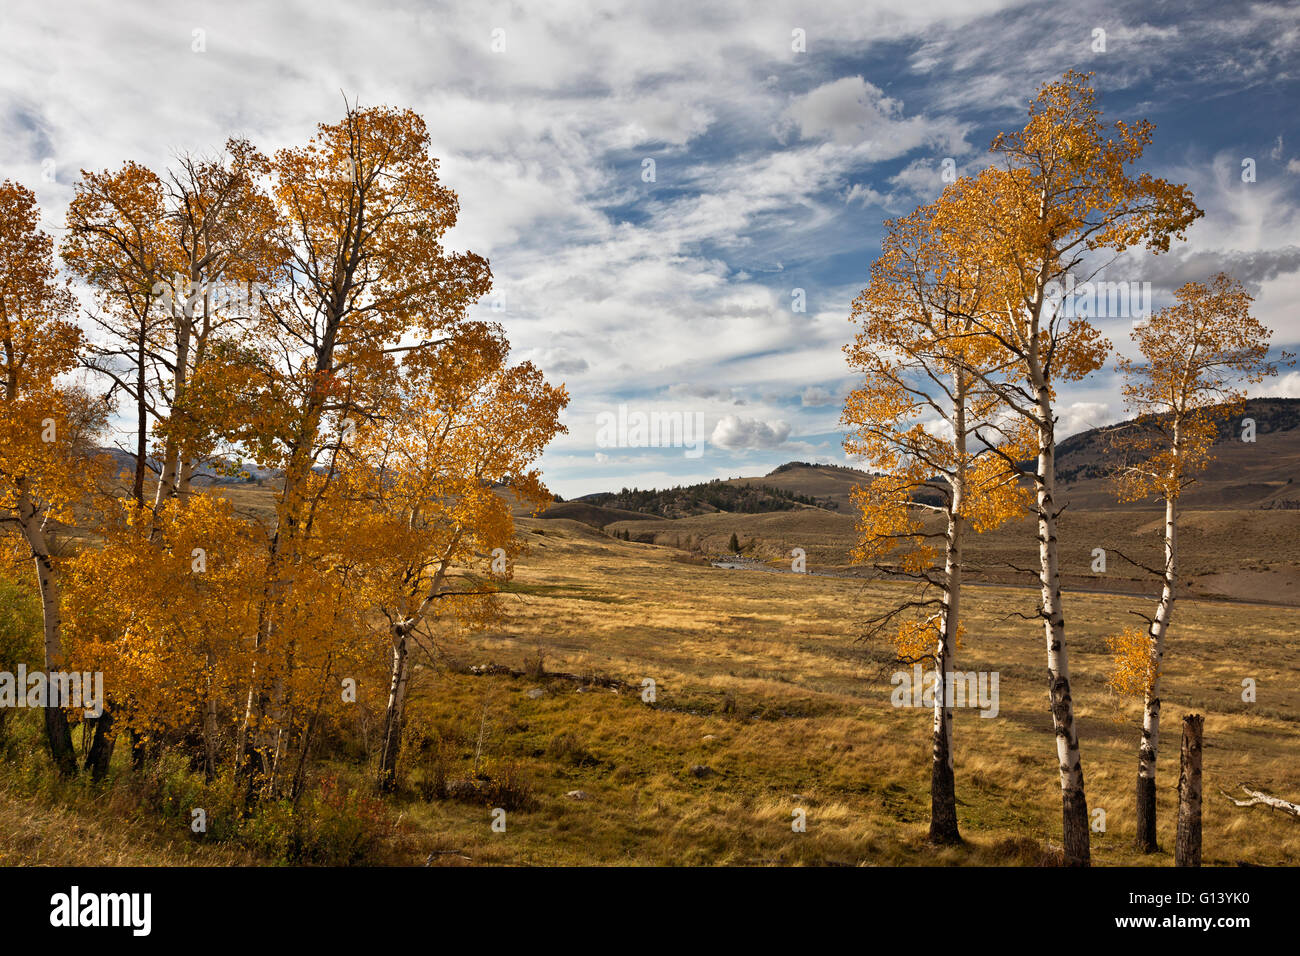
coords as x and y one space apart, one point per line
915 419
1196 356
41 473
1059 196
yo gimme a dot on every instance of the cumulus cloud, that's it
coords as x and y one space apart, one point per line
852 111
940 428
1284 386
921 179
1080 416
865 196
738 434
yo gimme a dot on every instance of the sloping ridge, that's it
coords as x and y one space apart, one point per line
1264 473
830 483
595 515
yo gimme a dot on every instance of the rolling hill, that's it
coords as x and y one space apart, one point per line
1240 525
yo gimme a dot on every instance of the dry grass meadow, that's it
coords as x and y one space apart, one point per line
768 701
762 682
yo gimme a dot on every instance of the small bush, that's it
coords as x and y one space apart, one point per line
509 787
566 748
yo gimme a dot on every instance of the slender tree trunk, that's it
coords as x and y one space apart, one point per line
1074 803
100 754
1187 844
169 478
399 677
250 762
1149 748
57 732
283 551
142 421
943 791
186 478
209 728
309 736
253 749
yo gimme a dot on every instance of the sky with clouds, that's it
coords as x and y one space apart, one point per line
680 200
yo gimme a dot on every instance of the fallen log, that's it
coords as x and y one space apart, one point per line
1259 796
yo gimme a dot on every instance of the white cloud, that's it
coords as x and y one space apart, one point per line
815 396
854 112
1080 416
1284 386
737 434
865 196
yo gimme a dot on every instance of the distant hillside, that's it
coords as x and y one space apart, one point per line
1264 474
794 486
589 514
826 483
742 496
1259 474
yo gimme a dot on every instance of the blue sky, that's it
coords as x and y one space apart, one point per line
774 167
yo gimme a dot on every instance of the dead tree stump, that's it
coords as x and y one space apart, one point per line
1187 846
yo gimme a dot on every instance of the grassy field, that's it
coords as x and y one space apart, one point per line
1241 554
767 702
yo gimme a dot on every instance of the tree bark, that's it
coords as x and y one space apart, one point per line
142 418
1187 846
1259 796
943 791
1074 803
209 728
169 480
57 732
394 714
1149 748
100 754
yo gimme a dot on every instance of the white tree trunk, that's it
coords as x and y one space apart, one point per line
943 796
1150 746
399 679
57 733
1074 806
169 481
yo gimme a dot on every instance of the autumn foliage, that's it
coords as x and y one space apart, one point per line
296 315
